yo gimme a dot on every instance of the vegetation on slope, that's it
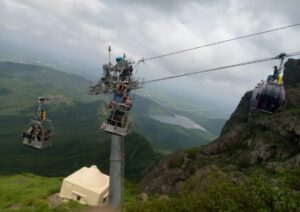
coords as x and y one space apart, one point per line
222 192
28 192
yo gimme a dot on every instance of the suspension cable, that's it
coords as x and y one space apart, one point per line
222 67
219 42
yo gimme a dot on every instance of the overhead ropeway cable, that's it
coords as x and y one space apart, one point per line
222 67
219 42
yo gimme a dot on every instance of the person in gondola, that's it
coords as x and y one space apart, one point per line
114 117
124 75
29 133
122 87
128 102
118 97
47 135
42 115
37 132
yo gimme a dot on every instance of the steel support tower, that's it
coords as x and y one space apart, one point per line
116 171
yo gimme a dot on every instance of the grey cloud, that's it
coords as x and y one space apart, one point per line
76 34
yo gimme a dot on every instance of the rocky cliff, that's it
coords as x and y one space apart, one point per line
270 142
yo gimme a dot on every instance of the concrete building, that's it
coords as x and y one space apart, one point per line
87 186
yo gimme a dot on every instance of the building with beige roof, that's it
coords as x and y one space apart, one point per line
87 186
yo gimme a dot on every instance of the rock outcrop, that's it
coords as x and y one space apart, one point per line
270 141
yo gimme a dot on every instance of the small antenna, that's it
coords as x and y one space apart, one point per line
109 50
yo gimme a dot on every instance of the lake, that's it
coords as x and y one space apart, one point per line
179 120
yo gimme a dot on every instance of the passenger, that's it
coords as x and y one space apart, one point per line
118 97
42 115
122 88
111 117
28 134
125 74
47 135
270 78
36 132
128 102
130 70
125 95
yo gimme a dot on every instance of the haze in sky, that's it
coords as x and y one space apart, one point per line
74 35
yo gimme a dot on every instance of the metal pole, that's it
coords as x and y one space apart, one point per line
281 57
109 50
39 108
115 171
281 64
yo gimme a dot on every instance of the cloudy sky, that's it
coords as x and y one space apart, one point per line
73 35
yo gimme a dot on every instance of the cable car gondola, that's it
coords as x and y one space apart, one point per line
118 122
269 96
117 80
39 132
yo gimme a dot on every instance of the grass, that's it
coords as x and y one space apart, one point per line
28 192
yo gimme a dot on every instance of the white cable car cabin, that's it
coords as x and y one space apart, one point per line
118 122
38 134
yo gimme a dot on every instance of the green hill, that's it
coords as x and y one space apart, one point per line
75 115
21 84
